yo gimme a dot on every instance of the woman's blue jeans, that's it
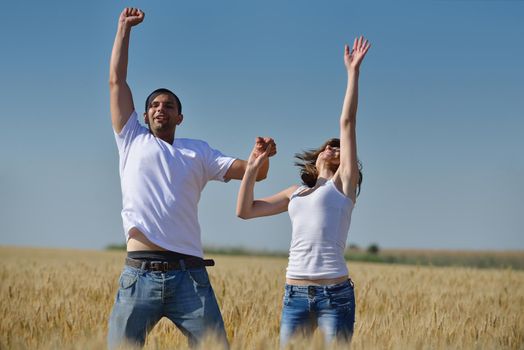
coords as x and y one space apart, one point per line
144 297
331 308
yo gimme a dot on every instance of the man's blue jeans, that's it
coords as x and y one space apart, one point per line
144 297
331 308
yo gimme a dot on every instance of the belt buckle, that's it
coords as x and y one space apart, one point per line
162 266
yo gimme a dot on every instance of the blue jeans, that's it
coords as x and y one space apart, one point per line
331 308
144 297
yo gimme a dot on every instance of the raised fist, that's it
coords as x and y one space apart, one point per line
262 144
264 147
131 16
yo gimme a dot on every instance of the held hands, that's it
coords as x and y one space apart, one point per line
264 148
353 59
131 16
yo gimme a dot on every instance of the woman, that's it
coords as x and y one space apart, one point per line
318 290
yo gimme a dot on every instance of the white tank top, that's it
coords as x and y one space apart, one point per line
320 222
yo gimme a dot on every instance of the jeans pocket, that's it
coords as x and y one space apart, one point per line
344 299
128 279
199 277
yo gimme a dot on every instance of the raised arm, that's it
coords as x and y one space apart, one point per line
247 206
348 169
120 93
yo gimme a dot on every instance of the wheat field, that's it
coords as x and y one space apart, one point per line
61 299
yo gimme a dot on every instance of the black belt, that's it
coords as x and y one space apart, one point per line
164 266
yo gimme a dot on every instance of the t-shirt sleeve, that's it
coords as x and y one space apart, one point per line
125 137
217 164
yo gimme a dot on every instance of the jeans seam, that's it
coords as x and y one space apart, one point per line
163 287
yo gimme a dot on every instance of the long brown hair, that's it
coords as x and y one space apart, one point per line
307 163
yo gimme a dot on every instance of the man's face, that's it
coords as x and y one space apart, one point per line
163 116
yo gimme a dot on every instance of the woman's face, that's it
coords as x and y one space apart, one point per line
330 155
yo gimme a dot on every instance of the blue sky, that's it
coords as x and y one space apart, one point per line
440 122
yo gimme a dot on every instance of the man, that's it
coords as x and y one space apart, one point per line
162 178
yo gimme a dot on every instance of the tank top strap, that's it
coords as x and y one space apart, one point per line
297 191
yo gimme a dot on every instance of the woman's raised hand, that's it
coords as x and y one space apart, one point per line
353 58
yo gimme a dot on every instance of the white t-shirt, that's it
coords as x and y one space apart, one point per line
161 185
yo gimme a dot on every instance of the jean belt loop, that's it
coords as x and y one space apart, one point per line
143 266
326 291
182 265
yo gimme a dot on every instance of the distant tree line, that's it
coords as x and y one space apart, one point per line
373 248
373 253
